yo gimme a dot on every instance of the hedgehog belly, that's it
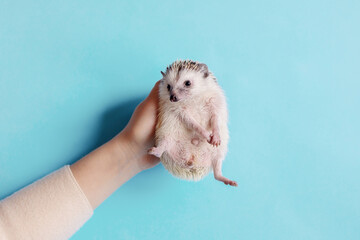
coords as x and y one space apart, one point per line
193 173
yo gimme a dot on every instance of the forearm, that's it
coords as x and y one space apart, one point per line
53 207
106 168
57 205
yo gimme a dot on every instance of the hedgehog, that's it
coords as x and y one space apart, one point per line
191 133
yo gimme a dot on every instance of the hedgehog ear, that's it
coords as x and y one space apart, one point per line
162 73
204 69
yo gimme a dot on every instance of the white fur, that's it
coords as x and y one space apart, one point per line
184 152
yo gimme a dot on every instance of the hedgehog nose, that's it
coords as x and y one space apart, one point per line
173 98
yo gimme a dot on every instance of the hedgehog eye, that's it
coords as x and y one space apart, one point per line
187 83
168 87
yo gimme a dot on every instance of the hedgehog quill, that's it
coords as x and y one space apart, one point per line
191 133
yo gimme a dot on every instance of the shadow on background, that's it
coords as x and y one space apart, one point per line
113 120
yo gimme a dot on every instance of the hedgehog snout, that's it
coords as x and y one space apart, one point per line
173 98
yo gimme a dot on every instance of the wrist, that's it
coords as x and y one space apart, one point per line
127 151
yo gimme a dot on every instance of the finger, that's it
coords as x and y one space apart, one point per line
154 91
151 101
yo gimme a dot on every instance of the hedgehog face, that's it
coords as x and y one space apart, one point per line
183 80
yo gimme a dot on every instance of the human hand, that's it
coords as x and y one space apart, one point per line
139 134
106 168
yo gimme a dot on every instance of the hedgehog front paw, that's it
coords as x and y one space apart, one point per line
215 139
206 135
155 151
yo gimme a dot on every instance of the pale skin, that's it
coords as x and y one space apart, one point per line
108 167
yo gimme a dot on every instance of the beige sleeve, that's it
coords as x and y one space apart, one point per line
53 207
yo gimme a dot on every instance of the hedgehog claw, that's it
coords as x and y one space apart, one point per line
215 139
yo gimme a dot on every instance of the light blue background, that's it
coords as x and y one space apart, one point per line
72 72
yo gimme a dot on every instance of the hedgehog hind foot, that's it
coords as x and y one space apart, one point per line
226 181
